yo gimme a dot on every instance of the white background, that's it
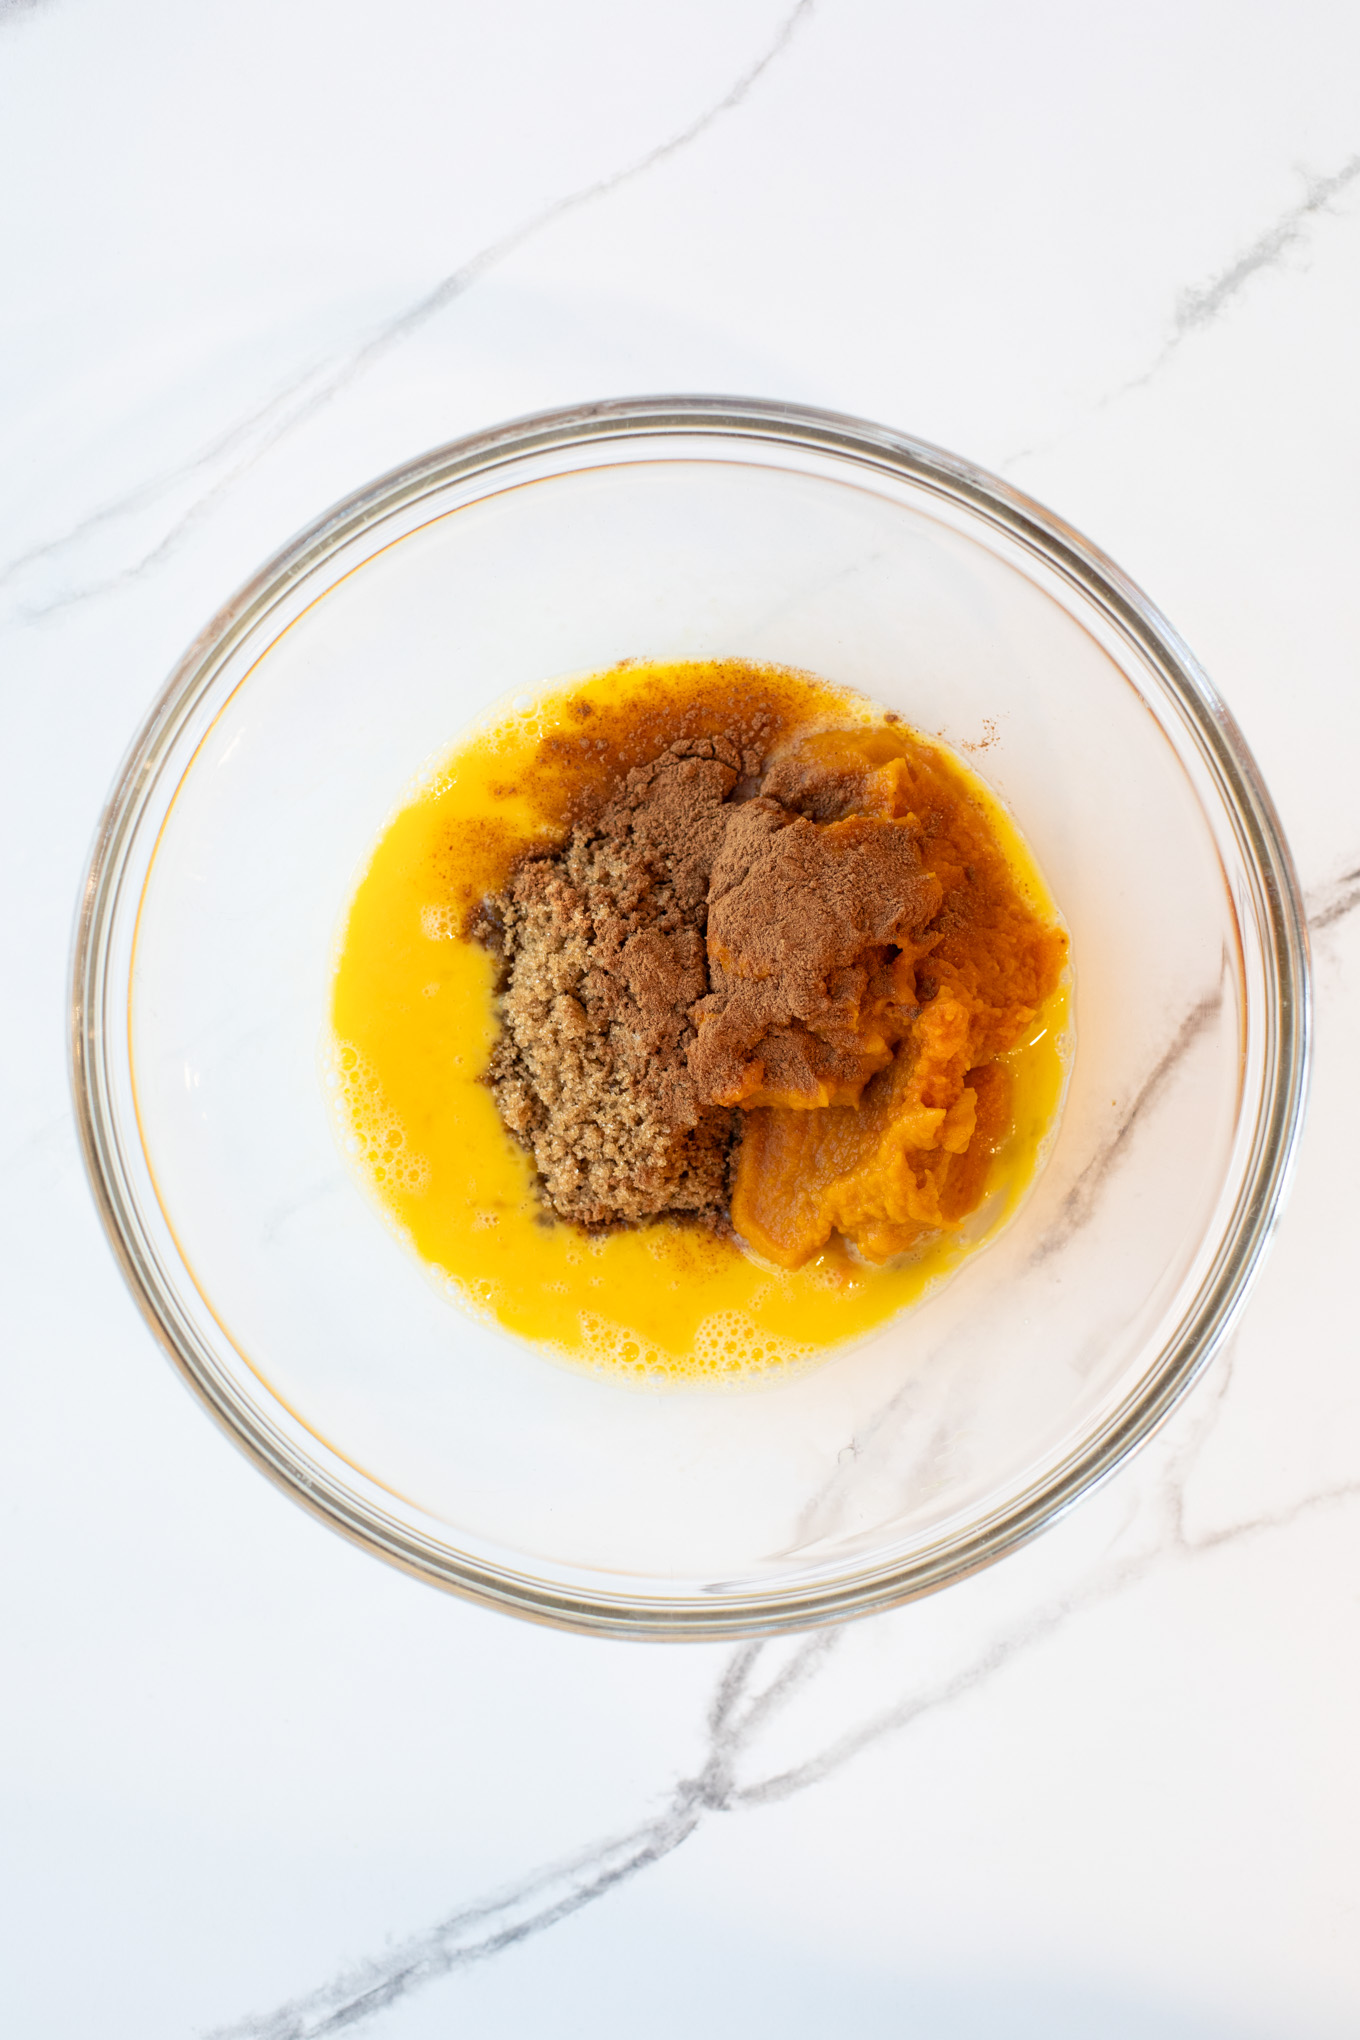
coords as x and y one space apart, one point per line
1108 1790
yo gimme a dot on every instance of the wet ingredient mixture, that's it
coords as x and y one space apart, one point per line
739 967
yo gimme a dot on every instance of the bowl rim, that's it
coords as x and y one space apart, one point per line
1286 1027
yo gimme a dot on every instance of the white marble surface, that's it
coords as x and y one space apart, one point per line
253 255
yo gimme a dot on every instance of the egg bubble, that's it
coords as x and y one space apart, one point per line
373 1132
478 1297
728 1347
439 923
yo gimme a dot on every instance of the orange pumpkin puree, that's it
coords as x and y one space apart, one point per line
964 1058
907 1153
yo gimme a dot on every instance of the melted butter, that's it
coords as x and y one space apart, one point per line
413 1023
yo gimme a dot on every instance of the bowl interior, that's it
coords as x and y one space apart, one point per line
298 732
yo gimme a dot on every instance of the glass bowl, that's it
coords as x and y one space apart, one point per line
685 528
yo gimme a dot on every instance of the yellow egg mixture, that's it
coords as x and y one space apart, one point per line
413 1023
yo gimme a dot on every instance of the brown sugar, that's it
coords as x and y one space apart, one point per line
604 949
770 996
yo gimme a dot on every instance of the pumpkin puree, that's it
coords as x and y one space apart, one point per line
908 1151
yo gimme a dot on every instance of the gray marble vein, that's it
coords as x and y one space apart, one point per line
227 458
130 501
1080 1201
1202 304
486 1926
1334 901
474 1932
1117 1577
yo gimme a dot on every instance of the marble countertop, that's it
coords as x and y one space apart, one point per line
256 1784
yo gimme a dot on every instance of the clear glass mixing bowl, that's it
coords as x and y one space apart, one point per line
674 528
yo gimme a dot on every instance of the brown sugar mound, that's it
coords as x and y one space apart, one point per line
604 950
778 998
